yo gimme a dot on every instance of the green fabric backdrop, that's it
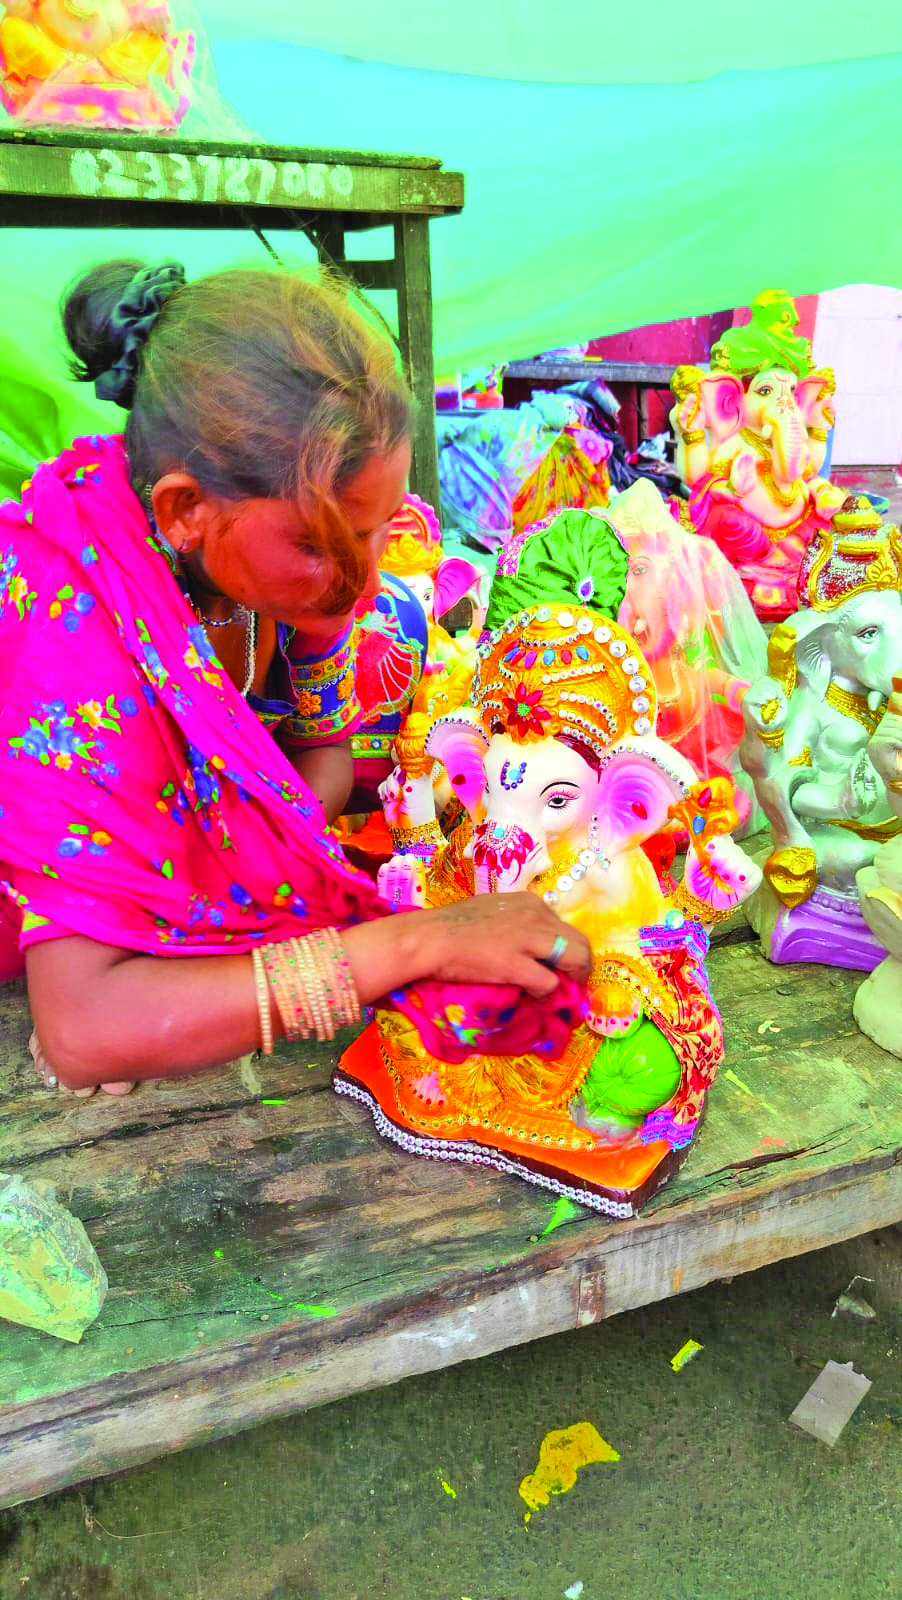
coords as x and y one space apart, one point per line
671 170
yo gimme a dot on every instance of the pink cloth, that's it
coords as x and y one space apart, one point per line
142 804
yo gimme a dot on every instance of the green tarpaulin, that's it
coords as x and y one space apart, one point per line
625 163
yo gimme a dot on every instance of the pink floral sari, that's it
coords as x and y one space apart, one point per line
142 804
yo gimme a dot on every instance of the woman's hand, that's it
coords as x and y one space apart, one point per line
104 1014
503 938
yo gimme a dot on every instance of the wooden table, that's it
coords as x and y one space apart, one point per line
76 179
266 1251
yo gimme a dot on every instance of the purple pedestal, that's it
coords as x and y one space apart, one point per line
828 928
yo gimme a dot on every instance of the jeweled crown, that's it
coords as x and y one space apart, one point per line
414 540
556 670
857 553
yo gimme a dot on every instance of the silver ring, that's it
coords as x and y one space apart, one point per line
558 951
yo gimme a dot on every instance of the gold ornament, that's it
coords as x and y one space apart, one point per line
854 706
781 659
792 874
875 832
422 833
699 910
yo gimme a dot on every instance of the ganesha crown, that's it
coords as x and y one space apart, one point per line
550 671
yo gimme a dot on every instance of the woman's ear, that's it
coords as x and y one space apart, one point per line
181 511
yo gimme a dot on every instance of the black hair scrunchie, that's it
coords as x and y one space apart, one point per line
132 319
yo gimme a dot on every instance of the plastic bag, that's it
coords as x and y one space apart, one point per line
119 64
50 1275
686 606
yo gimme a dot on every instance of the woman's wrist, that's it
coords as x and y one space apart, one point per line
394 951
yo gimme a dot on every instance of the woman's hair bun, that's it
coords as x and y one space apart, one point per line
109 316
94 333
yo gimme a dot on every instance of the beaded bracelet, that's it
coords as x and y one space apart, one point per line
313 986
264 1010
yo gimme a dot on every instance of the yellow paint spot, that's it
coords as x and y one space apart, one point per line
447 1487
685 1353
561 1454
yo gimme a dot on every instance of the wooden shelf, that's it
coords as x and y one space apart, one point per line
263 1258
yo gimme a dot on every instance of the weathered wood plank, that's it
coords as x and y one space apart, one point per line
159 173
414 281
87 138
230 1229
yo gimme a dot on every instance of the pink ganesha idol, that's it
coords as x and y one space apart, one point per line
751 441
687 608
414 554
561 782
94 63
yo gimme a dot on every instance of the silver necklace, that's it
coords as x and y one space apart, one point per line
249 621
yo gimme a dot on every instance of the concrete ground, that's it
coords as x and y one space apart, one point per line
716 1496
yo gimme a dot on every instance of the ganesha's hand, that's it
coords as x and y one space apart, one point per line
864 785
764 709
407 802
885 748
402 883
826 496
721 877
505 857
848 798
744 478
391 795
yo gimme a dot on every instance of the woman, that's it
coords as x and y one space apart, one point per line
159 596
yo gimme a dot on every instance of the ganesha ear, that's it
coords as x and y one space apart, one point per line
812 660
813 398
454 578
460 747
639 784
723 398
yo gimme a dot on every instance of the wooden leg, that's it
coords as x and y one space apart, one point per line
414 284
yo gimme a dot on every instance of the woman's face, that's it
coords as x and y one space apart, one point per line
261 553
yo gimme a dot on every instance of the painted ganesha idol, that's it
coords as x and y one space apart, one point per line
751 441
94 63
810 728
562 783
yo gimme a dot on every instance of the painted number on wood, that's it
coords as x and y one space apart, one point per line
235 180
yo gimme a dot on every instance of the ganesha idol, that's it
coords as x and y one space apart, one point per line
878 1003
686 607
94 63
810 724
561 783
414 553
751 441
